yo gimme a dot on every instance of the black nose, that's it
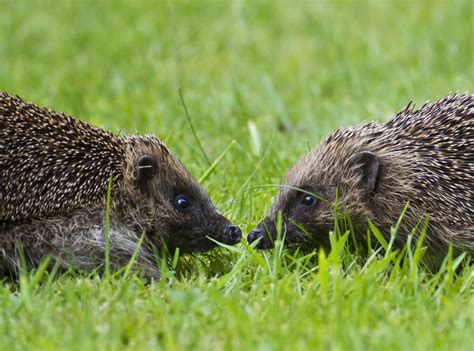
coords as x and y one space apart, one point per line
254 235
233 234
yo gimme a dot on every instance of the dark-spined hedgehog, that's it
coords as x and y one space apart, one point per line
54 176
422 157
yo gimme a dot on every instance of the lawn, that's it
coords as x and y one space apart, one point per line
269 79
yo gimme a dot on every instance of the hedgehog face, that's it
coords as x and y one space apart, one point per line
303 216
182 214
307 200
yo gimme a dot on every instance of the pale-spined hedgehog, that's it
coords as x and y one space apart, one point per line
54 176
422 157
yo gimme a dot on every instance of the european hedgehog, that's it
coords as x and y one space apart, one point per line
54 176
421 157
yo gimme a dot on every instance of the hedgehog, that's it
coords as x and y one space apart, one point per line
420 161
55 173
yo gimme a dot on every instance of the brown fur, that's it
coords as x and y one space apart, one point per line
54 174
425 157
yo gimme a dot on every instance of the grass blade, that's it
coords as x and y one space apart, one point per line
214 164
107 230
192 127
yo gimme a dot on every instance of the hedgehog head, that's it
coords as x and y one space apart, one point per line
173 209
343 174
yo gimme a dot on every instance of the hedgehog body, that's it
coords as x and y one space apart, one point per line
422 157
54 176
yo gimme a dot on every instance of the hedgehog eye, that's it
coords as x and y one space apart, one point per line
181 202
308 200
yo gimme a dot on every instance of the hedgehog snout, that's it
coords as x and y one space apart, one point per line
232 234
259 232
254 235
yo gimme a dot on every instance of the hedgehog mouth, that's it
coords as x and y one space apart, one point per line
292 235
203 242
199 244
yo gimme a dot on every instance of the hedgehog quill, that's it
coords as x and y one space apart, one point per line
422 157
54 176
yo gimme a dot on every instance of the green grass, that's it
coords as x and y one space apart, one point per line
274 77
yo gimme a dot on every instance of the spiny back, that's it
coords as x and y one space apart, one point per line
433 147
439 141
51 163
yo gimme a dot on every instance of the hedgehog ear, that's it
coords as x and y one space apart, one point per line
145 169
367 165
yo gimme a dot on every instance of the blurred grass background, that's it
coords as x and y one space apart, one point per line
276 76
